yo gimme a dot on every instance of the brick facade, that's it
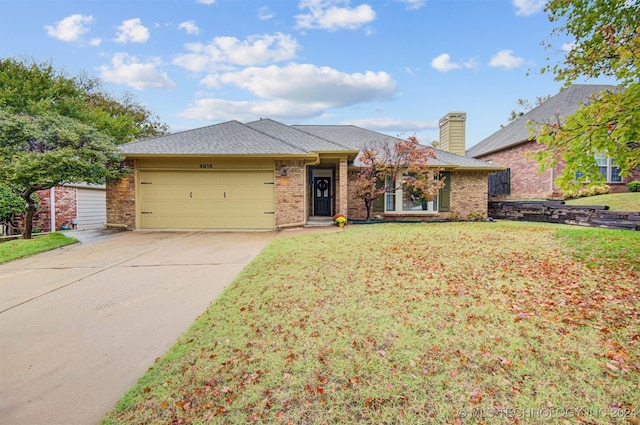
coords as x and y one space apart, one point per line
289 195
65 209
121 199
356 209
526 182
342 183
468 195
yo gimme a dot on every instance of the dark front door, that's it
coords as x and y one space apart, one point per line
322 195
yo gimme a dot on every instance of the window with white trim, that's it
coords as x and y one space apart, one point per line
407 201
608 169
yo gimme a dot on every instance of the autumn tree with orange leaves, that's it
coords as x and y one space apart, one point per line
381 165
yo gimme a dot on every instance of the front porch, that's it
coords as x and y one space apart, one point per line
327 189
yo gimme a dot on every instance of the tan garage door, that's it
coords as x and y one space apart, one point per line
206 200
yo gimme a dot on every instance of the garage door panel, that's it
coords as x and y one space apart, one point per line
207 199
92 211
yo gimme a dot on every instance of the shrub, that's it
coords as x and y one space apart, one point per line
634 186
477 216
454 216
601 189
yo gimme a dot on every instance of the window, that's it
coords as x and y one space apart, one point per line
608 169
390 196
408 201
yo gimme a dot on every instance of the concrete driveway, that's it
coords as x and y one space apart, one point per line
79 325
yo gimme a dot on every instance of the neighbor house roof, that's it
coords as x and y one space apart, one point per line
269 137
516 132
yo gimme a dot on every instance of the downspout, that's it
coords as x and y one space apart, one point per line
52 209
302 223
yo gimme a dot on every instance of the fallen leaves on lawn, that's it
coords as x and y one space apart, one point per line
405 325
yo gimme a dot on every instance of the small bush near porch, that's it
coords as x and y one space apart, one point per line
503 322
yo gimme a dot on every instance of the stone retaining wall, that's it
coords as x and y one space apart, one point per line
559 212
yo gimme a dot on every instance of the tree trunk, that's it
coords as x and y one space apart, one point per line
367 205
30 210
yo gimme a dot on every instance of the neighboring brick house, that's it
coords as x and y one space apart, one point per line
509 145
268 175
79 206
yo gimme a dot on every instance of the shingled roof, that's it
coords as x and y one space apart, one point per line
229 138
269 137
360 139
516 132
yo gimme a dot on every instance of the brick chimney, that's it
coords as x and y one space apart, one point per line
452 132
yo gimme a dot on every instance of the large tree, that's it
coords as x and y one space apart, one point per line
606 43
42 151
55 129
36 88
382 163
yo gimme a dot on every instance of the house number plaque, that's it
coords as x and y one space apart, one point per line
206 165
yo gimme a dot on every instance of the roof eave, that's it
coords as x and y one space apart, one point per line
204 155
501 148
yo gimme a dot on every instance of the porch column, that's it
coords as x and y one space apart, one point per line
341 186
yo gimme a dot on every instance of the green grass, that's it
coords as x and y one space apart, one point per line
615 201
599 247
410 324
20 248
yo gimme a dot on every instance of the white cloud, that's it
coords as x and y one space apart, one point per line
505 59
296 91
567 47
227 52
207 2
95 42
226 110
413 4
190 27
132 30
329 15
528 7
443 63
70 28
264 13
306 83
128 70
471 64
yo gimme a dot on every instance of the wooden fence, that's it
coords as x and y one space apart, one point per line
500 184
559 212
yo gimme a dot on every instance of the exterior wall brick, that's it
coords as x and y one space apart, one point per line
525 180
356 209
65 209
468 195
342 188
66 205
121 199
289 196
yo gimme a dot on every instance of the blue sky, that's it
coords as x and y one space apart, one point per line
394 66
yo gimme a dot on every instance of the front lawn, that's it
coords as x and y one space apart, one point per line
615 201
20 248
503 322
